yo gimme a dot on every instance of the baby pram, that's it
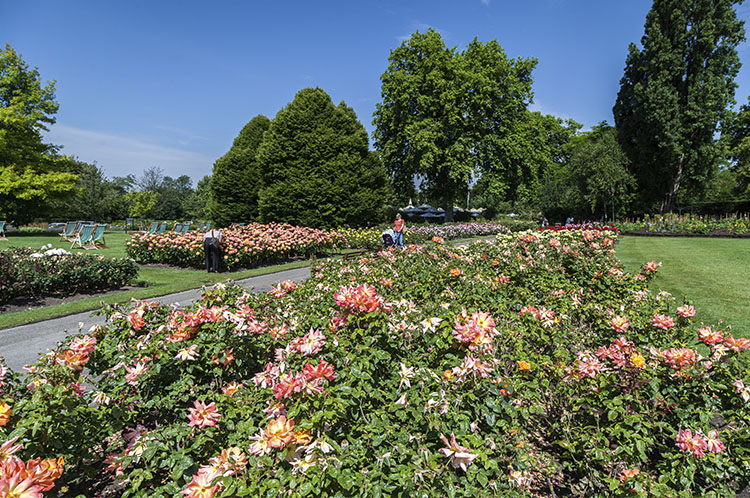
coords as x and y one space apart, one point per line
388 238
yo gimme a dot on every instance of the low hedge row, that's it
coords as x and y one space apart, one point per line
25 272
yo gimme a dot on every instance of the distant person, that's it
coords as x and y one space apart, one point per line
398 230
211 247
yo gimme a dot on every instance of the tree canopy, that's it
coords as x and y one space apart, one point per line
446 115
236 177
674 95
31 172
316 168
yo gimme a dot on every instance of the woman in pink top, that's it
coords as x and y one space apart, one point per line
399 230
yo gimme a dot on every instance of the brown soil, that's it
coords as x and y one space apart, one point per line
27 303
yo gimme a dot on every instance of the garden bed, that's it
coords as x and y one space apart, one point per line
531 366
29 303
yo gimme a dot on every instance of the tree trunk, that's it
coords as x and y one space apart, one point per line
667 205
449 208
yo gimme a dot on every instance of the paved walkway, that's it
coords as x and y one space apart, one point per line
21 345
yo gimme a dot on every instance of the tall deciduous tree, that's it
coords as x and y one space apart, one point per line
316 167
31 172
446 115
236 177
674 94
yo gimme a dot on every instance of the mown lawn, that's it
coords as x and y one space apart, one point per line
155 281
712 273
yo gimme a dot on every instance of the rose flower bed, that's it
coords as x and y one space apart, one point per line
530 366
370 238
243 246
25 272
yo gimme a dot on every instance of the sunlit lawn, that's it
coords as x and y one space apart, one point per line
713 273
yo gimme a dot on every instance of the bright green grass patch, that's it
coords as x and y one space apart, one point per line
713 273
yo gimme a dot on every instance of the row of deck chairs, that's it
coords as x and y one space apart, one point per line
86 236
157 227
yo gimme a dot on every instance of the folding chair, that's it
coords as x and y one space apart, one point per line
154 225
208 226
202 226
97 240
162 227
178 228
186 228
83 237
2 230
68 230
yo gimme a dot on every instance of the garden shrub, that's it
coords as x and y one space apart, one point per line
688 224
370 238
243 246
25 272
530 366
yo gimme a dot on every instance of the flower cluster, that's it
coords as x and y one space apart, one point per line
242 246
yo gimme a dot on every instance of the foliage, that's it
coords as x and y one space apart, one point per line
447 115
96 197
371 238
142 203
600 170
316 168
671 223
31 173
242 246
674 95
25 272
529 366
235 181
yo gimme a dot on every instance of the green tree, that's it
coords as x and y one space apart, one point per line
198 204
95 198
599 167
236 176
674 95
316 167
447 115
142 203
31 172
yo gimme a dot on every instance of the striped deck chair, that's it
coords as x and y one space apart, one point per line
74 235
186 228
162 227
178 228
68 230
97 240
83 237
2 230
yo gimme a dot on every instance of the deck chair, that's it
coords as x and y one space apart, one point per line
154 225
76 229
178 228
202 226
162 227
186 228
68 230
208 226
2 230
97 240
83 237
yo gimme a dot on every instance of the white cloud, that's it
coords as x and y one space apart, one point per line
121 155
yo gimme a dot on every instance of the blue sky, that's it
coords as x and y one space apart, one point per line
171 83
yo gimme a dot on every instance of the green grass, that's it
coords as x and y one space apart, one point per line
157 281
713 273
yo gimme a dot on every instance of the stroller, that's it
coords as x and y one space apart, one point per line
388 238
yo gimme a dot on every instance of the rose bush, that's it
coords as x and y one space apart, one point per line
688 224
531 365
243 246
30 273
370 238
